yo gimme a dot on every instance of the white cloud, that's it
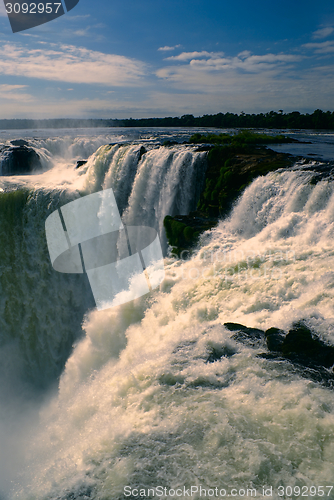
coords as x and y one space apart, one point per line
244 54
200 93
247 82
70 17
57 108
82 32
29 34
205 93
166 48
323 32
197 64
251 93
12 93
186 56
68 63
196 82
7 87
321 47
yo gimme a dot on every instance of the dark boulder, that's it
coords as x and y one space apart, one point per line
307 354
18 160
302 346
142 151
182 231
249 336
217 352
80 163
274 339
19 142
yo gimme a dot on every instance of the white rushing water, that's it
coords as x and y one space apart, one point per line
138 404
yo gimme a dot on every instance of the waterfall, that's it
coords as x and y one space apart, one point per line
138 404
149 184
41 311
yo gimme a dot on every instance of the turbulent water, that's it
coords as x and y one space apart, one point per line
135 404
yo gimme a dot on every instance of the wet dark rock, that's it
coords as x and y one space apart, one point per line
309 356
19 142
170 143
303 346
142 151
230 169
182 231
218 352
274 339
80 163
253 337
18 160
300 345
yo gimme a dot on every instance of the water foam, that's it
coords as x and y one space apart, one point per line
43 336
139 405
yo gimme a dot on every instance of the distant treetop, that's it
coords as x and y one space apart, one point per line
295 120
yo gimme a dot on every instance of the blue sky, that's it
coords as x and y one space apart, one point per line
126 58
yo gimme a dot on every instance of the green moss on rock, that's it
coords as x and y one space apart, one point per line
230 170
234 161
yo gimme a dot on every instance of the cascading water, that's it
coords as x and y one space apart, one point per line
148 185
45 335
138 404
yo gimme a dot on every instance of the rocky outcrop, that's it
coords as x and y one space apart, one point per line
249 336
230 170
182 231
19 142
302 348
80 163
19 160
141 152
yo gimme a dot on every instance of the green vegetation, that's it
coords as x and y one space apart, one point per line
234 161
180 236
243 138
230 170
317 120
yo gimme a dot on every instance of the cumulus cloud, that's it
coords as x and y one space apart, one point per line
244 54
13 93
321 47
323 32
68 63
166 48
197 82
186 56
205 62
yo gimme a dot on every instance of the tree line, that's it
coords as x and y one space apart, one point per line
294 120
279 120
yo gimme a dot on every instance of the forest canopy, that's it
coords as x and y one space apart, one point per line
272 120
